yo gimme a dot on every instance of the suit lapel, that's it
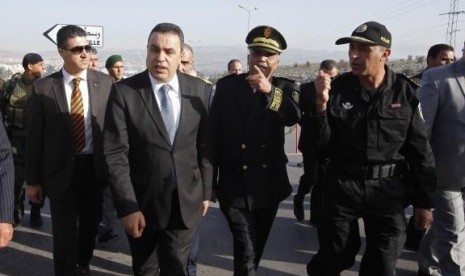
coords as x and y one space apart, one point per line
94 96
184 91
60 96
459 71
148 97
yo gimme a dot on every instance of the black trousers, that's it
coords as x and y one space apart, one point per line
250 231
163 251
380 204
75 219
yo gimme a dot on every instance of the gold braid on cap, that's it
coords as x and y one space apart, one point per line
265 43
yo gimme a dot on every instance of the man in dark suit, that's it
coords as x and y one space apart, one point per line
248 116
158 154
6 188
64 150
314 163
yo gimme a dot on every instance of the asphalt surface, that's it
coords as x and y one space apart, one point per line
290 246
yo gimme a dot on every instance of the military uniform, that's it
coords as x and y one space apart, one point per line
15 121
380 156
248 116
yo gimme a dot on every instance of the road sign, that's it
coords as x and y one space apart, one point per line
94 34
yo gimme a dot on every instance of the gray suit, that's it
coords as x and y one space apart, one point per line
442 97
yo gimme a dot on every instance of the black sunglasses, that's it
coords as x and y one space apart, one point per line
78 49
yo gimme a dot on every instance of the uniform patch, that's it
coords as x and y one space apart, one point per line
396 105
277 99
347 105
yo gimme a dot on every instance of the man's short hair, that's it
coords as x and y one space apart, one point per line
328 64
94 50
188 47
168 28
434 51
233 61
67 32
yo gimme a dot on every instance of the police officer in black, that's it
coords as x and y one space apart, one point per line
248 116
370 120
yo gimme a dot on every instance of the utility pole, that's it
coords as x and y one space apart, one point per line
452 22
248 15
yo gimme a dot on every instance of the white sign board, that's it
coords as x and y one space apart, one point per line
94 34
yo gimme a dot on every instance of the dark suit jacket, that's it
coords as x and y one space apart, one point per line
7 178
248 139
49 138
141 159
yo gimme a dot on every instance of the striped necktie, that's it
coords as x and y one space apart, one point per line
77 117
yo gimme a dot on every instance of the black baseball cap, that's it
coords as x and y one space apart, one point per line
370 32
266 38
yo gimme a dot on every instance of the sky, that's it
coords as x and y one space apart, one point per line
307 24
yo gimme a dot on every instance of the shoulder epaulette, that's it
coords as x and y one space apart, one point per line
285 83
205 80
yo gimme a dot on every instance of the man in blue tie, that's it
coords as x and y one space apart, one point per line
158 153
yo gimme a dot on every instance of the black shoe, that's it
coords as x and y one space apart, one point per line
108 237
82 270
298 208
18 214
35 219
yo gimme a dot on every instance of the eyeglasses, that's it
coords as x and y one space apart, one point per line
78 49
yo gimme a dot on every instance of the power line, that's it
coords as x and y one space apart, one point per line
452 22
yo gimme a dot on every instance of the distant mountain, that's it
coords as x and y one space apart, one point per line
209 60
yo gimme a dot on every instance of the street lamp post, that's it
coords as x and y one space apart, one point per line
248 15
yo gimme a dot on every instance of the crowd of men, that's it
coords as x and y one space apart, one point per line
156 147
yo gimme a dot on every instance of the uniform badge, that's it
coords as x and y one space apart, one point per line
267 32
362 28
347 105
395 105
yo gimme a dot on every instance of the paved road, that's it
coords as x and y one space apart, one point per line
291 244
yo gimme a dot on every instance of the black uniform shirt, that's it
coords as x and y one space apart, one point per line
372 128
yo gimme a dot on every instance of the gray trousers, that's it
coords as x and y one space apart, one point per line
442 250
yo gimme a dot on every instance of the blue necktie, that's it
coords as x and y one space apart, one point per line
167 113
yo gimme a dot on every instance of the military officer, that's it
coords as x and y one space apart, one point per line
248 116
369 119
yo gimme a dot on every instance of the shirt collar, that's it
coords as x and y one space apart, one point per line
173 83
68 78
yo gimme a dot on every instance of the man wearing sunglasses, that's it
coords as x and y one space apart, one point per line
64 150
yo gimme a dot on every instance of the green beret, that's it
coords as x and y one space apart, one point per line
112 60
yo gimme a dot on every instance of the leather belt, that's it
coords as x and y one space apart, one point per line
371 171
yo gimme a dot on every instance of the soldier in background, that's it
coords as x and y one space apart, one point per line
115 67
17 94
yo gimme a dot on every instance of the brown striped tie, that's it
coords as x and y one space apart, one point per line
77 117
